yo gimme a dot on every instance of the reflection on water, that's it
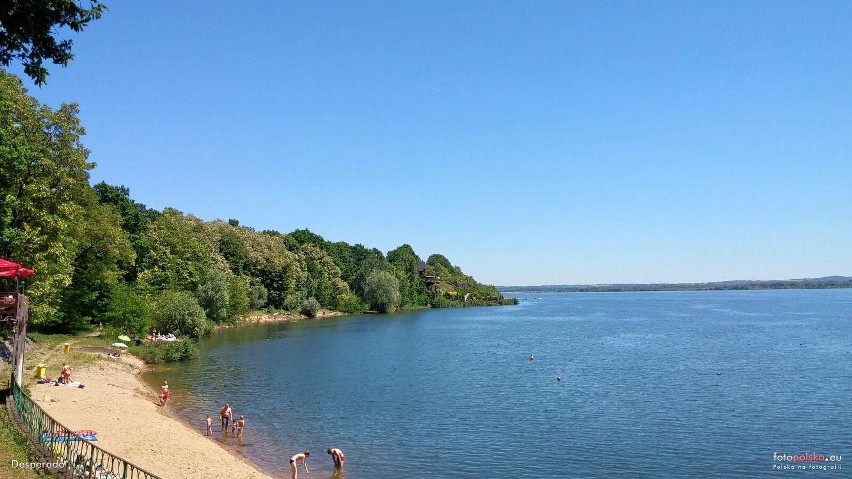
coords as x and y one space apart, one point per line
659 384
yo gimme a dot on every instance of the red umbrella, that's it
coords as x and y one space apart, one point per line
9 269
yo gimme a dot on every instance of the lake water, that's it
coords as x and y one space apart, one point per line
668 384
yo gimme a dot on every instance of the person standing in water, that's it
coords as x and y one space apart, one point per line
164 393
240 424
337 456
294 471
209 426
225 416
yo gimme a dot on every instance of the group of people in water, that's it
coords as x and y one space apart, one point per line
226 417
335 453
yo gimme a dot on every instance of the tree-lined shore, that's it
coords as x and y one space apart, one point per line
103 257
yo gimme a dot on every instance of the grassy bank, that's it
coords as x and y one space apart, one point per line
14 447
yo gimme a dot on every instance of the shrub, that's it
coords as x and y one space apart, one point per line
127 311
178 312
293 302
351 304
166 352
310 307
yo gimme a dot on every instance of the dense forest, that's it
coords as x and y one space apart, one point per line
827 282
101 256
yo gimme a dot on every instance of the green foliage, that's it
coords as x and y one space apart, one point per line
352 304
233 250
310 307
213 296
257 295
381 291
178 312
127 311
323 277
238 298
293 302
412 287
14 446
179 258
43 193
166 352
103 255
135 218
278 269
305 236
28 32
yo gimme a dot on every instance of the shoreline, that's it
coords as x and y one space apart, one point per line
256 318
123 409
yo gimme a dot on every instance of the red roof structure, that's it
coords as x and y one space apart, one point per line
9 269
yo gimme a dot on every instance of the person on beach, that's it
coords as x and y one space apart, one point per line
164 393
337 456
66 373
294 471
209 431
225 415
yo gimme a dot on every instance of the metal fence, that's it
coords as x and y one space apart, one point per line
79 457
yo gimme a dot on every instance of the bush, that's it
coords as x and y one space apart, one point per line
293 302
166 352
127 311
351 304
178 312
310 307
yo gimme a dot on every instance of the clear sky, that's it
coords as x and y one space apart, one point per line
529 142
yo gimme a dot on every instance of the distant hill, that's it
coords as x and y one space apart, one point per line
826 282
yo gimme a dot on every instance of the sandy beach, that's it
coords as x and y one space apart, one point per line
124 411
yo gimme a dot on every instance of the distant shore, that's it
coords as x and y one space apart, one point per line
828 282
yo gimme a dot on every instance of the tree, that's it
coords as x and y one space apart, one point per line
381 290
27 32
178 312
127 311
257 295
179 258
412 287
135 218
238 298
213 296
103 255
310 307
44 180
323 279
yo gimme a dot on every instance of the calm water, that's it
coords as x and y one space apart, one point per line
684 384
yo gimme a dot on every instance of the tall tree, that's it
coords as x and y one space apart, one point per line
381 290
28 32
44 177
135 218
103 255
179 258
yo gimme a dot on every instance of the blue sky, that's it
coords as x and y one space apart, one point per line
529 142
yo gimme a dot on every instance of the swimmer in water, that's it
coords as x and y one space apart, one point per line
532 358
337 456
294 471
